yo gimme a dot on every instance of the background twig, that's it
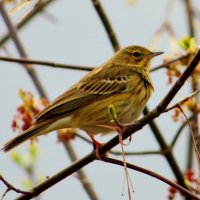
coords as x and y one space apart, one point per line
127 131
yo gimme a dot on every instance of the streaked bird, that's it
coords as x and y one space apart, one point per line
124 81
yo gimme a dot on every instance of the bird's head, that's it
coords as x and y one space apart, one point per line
136 56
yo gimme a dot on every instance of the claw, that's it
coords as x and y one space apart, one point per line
97 145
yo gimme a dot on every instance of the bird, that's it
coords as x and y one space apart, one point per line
123 81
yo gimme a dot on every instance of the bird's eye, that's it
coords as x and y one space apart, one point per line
136 54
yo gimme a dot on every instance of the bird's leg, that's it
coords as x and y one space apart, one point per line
97 145
119 129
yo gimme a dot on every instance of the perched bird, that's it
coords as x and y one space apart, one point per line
124 81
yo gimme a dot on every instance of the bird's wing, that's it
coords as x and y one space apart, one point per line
84 92
66 102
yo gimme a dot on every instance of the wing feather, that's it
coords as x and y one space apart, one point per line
93 87
104 86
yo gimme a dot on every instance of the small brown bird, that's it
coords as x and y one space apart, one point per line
123 81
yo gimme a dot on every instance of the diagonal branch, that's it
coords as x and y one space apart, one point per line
11 187
81 174
107 25
182 101
152 174
13 33
127 131
24 21
175 139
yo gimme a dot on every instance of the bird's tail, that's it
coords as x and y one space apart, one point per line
35 130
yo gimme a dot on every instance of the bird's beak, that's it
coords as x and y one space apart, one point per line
153 54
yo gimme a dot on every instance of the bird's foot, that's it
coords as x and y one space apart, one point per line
97 145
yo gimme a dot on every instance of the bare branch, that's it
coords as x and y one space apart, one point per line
13 33
152 174
107 25
117 153
81 174
139 153
75 67
28 17
195 85
127 131
193 138
44 63
175 139
177 105
166 65
11 187
31 71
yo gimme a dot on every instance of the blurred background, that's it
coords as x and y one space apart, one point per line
71 32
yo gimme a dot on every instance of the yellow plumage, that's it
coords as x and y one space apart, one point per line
123 81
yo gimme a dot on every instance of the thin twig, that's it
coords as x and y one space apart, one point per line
195 86
166 65
119 153
13 33
152 174
83 138
81 174
11 187
175 139
45 63
189 12
139 153
74 67
176 105
166 148
193 138
27 19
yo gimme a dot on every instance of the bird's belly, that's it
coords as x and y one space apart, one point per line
128 108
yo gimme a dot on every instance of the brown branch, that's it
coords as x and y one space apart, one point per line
107 25
127 131
177 105
13 33
139 153
166 65
189 12
152 174
195 86
179 83
81 174
167 149
44 63
175 139
34 77
75 67
117 153
193 138
11 187
28 17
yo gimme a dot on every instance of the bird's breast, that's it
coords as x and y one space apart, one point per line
128 107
